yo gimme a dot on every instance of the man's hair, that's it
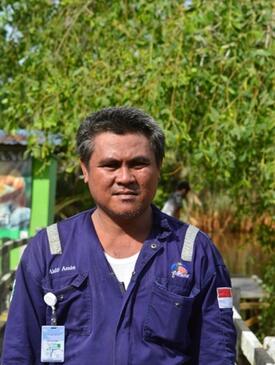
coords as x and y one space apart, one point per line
119 120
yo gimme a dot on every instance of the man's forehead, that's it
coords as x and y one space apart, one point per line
110 139
129 145
110 134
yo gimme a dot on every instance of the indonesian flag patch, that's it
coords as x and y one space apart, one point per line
225 299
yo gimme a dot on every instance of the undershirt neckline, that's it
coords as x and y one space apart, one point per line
123 260
123 267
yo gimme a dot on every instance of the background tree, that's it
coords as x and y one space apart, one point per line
204 70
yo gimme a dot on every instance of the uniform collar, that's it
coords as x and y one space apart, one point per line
162 228
162 224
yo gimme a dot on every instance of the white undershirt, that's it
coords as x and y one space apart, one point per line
123 268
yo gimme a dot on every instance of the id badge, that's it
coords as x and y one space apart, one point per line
52 343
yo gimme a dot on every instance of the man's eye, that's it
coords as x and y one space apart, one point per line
110 166
140 165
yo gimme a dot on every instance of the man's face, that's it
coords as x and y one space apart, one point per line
122 174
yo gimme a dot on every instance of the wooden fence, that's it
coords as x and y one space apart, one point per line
249 348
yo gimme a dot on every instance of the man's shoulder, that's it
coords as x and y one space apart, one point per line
206 250
202 242
38 251
74 220
62 227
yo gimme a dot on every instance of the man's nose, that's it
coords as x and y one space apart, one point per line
125 175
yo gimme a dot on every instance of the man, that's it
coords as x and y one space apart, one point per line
127 283
173 205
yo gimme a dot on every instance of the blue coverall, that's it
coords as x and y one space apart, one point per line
164 318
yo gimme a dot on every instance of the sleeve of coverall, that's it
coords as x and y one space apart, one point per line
22 333
216 334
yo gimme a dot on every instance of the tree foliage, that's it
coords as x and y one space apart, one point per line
203 69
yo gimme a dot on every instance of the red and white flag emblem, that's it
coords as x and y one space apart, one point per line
225 299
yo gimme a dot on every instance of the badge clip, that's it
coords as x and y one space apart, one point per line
51 300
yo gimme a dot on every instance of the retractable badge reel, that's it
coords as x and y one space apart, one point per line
53 336
51 300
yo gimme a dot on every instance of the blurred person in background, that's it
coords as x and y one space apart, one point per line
175 201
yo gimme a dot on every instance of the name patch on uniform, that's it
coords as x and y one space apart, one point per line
56 270
225 299
179 270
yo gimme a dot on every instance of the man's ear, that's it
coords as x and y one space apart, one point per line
84 171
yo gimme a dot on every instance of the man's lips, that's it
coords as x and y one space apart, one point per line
125 193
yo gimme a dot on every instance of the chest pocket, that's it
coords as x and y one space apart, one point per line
73 307
168 317
172 300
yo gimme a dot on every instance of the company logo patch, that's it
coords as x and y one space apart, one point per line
179 270
225 299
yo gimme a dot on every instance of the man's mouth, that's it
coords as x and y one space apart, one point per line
125 193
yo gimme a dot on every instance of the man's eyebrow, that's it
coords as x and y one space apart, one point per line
140 159
136 159
108 160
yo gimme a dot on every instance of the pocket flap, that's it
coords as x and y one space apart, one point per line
79 280
64 282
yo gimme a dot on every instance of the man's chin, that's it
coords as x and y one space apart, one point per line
126 213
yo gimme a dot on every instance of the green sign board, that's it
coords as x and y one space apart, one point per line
27 188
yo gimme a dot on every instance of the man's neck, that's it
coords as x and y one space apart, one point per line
122 237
